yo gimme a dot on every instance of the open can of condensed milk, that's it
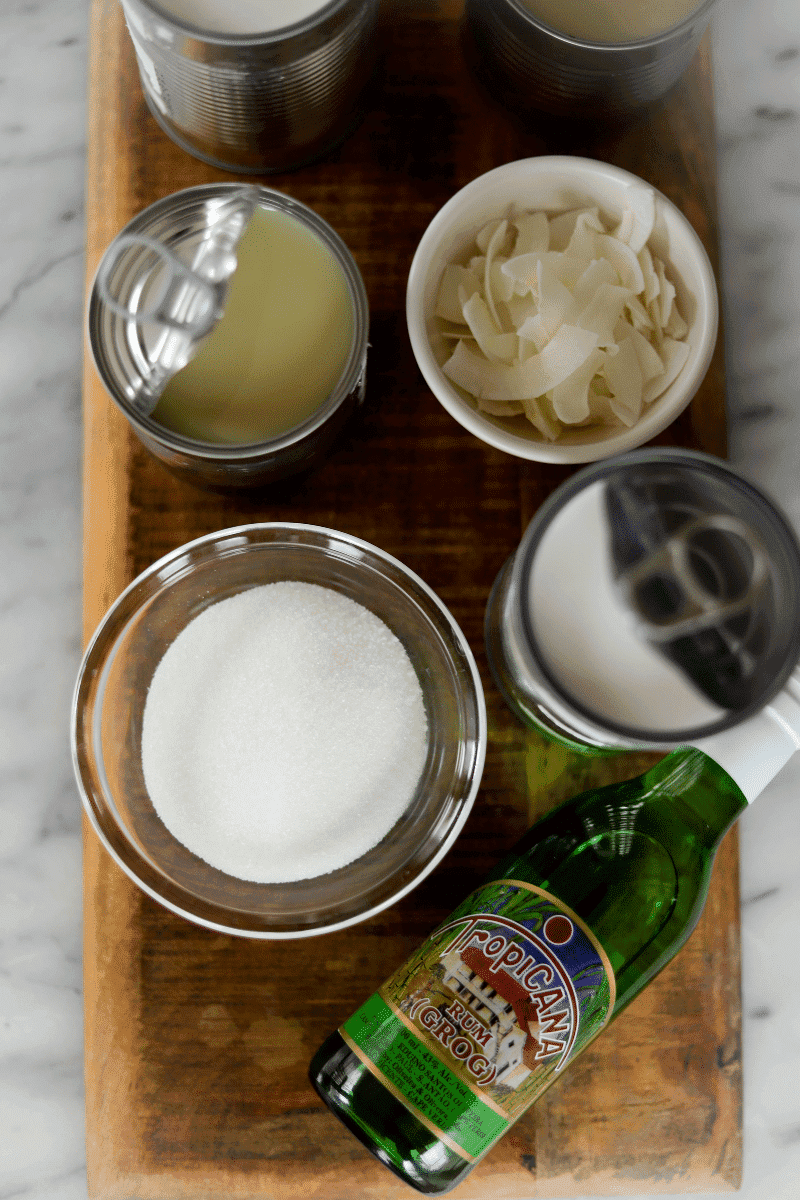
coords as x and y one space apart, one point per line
230 324
249 86
654 600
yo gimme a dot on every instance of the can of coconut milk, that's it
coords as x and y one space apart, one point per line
248 98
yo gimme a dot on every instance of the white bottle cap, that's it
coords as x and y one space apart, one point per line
753 752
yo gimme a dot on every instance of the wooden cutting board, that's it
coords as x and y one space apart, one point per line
197 1045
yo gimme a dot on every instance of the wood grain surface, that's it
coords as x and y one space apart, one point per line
197 1044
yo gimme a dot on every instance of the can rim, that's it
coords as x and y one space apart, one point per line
267 38
646 43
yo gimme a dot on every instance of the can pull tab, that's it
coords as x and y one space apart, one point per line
694 581
699 582
144 282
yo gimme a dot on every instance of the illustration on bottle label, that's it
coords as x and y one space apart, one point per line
483 1016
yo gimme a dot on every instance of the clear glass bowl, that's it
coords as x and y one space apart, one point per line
109 703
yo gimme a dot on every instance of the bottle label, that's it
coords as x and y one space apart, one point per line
486 1013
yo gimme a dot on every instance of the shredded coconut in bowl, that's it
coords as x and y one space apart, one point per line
563 318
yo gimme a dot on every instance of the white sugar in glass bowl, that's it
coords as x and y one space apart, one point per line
556 184
142 626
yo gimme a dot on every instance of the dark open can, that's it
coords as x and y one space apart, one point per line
654 600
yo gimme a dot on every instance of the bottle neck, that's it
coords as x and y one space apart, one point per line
753 752
701 784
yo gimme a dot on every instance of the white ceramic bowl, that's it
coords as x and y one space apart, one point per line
559 183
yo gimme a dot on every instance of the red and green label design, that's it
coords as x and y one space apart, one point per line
486 1014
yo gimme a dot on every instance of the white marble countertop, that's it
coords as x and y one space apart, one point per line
42 144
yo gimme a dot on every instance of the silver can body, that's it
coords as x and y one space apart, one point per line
255 103
530 66
121 348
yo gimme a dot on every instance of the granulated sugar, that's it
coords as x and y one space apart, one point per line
284 733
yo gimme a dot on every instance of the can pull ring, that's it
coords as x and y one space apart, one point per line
144 282
177 296
708 572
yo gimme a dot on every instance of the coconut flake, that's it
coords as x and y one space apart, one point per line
603 311
623 260
598 272
570 399
485 235
501 408
495 243
533 233
638 218
650 362
561 227
499 283
555 303
675 355
676 327
651 285
666 292
583 243
455 280
495 345
624 377
539 417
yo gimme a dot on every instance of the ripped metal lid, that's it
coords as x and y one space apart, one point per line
164 304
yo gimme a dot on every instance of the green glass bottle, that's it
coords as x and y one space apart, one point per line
653 602
597 897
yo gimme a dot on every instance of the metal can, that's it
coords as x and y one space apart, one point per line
654 600
259 102
531 66
124 346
